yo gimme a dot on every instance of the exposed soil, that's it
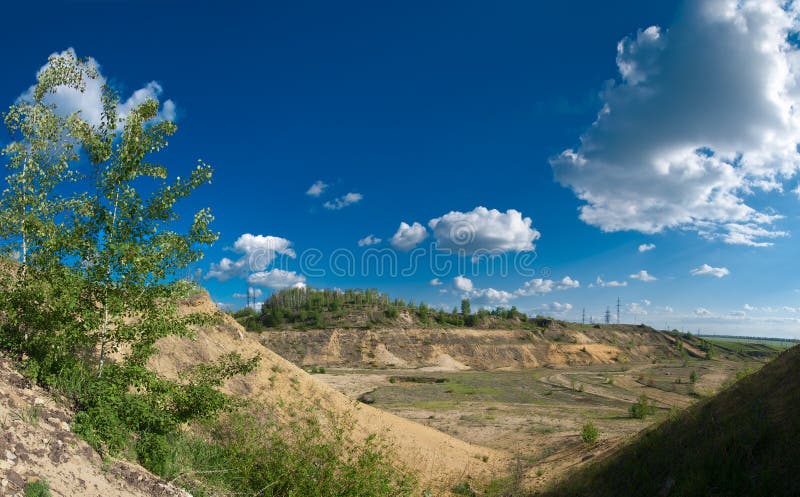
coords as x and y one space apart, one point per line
36 443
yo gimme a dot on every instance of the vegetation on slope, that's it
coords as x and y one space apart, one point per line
304 308
741 442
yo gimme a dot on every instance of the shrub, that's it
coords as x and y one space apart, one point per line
307 457
589 433
37 488
642 408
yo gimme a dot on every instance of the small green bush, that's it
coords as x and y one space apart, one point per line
589 433
642 408
38 488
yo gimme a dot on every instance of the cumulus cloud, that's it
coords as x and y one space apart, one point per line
485 296
89 102
637 309
645 247
748 307
602 283
491 296
557 308
540 286
343 201
436 282
702 312
256 253
705 114
277 279
482 230
643 275
369 240
408 236
316 189
462 284
706 270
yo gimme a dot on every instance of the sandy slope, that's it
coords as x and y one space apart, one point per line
36 443
438 459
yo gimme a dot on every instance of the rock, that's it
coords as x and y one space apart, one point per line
366 398
15 479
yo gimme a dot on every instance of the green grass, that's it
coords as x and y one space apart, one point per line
744 344
304 458
38 488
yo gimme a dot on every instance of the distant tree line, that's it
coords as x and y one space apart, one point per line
319 308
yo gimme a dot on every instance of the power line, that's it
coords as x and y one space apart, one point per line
618 302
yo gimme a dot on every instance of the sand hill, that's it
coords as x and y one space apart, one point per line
470 348
438 459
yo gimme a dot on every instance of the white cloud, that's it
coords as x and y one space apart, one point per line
637 309
705 114
567 282
491 296
706 270
748 307
645 247
602 283
556 308
253 293
436 282
536 286
702 312
369 240
485 296
462 283
277 279
257 252
408 236
643 275
343 201
484 231
540 286
89 102
317 188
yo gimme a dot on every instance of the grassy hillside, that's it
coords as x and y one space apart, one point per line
742 442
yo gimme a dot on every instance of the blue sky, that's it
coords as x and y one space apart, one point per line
552 140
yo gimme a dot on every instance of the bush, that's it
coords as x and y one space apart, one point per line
304 458
589 433
38 488
642 408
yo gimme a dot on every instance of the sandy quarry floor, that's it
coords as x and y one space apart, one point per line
536 414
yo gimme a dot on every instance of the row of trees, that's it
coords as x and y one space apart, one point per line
308 307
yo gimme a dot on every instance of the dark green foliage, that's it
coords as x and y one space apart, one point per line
249 318
642 408
589 433
311 308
